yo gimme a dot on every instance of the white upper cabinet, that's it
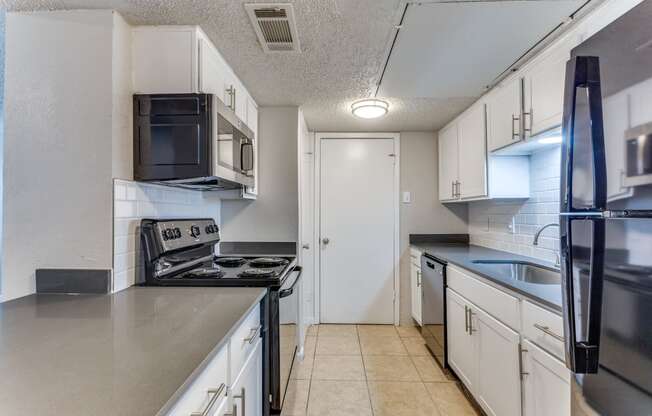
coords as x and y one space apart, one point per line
473 153
181 59
448 163
504 106
544 91
164 60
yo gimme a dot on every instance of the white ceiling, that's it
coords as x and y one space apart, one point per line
343 44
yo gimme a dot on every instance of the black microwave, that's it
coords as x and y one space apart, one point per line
191 140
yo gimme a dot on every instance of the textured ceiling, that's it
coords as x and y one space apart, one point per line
343 46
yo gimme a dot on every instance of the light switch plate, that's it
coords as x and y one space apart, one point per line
407 197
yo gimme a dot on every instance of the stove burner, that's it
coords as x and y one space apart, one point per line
257 273
213 273
230 261
264 262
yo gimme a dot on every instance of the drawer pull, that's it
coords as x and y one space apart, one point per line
546 330
216 393
255 332
234 412
242 397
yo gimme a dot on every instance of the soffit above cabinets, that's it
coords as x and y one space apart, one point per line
456 49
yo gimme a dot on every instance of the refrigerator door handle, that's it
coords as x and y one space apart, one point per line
584 72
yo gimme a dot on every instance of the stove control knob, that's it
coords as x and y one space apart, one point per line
164 235
177 232
209 229
194 231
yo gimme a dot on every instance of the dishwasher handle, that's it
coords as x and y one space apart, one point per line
430 264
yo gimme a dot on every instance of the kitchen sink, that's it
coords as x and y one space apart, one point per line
524 271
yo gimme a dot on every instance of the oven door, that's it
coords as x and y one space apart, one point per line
289 322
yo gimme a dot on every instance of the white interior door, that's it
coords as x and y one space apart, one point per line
357 224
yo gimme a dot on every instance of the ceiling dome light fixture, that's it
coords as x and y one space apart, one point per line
370 108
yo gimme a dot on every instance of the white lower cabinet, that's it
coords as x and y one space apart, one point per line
499 379
462 355
546 383
246 393
230 384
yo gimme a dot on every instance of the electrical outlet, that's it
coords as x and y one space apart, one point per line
407 197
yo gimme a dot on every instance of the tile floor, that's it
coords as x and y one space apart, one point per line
370 370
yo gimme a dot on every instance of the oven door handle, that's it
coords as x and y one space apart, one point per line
287 292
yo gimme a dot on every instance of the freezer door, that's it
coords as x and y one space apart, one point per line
622 383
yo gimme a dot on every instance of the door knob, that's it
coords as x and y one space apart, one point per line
306 246
325 241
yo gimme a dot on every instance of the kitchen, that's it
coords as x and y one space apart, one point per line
325 208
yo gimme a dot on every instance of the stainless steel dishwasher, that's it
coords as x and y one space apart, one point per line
433 307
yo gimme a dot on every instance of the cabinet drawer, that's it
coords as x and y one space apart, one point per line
544 329
499 304
207 390
244 340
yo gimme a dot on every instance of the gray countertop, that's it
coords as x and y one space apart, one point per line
463 254
123 354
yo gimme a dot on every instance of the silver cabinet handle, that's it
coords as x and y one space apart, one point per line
418 278
546 330
527 115
234 412
242 397
253 334
458 193
466 319
325 241
514 133
216 393
453 189
471 329
306 246
520 361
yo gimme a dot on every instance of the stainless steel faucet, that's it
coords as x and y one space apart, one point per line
535 242
538 233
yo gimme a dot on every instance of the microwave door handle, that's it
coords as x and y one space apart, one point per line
583 72
249 159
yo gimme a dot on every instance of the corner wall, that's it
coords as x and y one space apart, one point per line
274 216
425 214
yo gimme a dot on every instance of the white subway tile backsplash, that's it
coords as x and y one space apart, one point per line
134 201
490 221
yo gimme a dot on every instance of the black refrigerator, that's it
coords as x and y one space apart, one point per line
606 218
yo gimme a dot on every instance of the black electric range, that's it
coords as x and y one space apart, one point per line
182 253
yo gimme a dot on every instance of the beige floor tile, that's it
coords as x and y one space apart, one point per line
339 398
296 398
450 400
310 345
377 331
302 369
390 368
382 346
337 331
416 346
428 369
401 399
406 331
312 331
338 346
338 367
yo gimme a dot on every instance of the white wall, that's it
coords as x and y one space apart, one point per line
274 215
490 221
58 144
425 214
134 201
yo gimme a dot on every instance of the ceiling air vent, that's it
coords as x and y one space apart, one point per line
275 26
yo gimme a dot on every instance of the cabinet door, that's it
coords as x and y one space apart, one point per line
241 100
164 60
544 92
212 70
498 389
504 108
473 153
247 390
448 163
462 355
546 383
415 284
